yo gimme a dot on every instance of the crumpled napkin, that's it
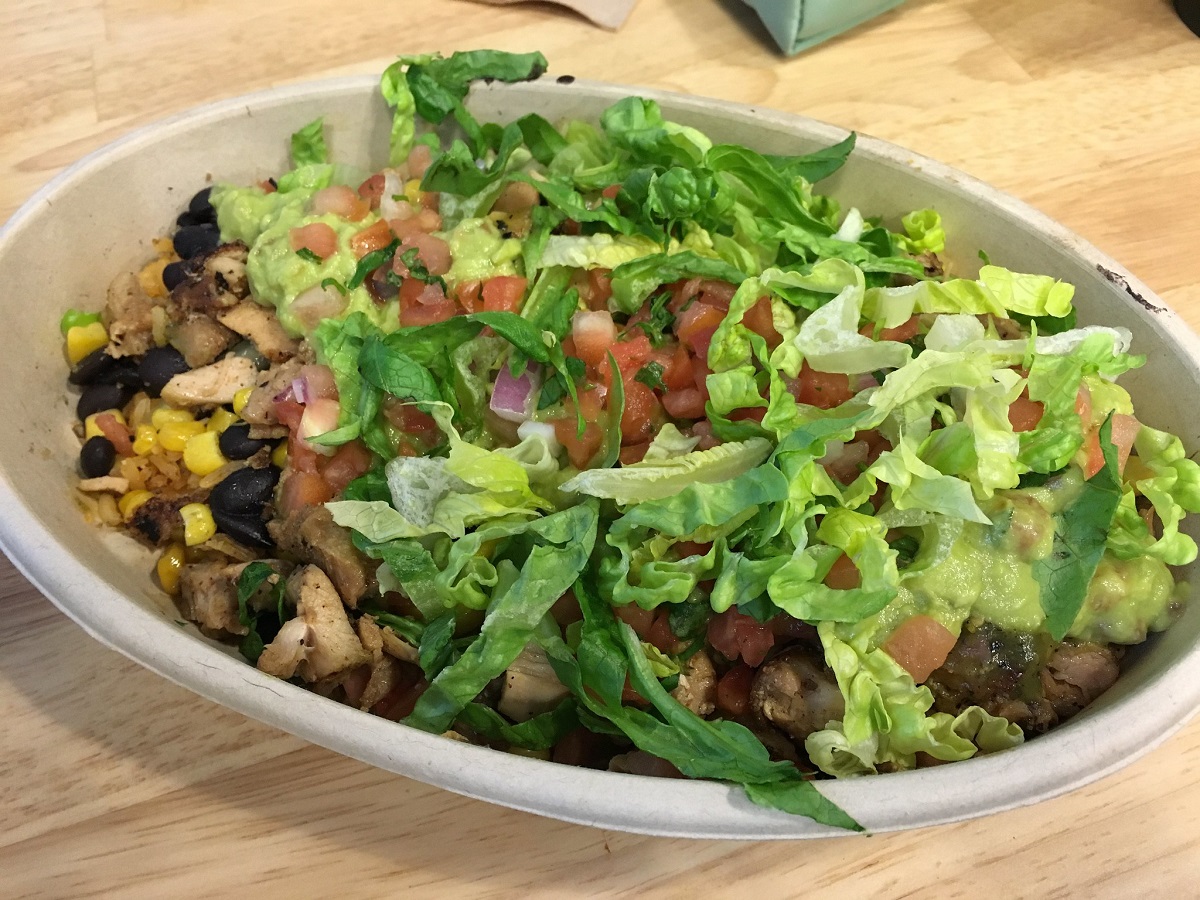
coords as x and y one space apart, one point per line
606 13
798 24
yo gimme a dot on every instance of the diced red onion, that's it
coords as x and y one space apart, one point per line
512 398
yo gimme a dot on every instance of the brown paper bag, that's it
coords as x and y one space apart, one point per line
605 13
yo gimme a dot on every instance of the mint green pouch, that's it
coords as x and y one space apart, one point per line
799 24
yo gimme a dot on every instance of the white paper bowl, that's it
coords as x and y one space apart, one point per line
96 220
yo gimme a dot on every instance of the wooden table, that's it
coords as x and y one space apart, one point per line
112 781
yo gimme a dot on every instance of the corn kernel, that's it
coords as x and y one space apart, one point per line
85 339
221 419
202 454
175 435
279 455
169 566
412 190
146 440
198 524
164 414
241 398
129 503
91 429
150 278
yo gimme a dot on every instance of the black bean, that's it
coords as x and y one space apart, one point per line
206 216
237 504
92 368
194 240
173 275
97 457
235 442
248 530
248 350
201 201
160 365
99 397
100 368
243 493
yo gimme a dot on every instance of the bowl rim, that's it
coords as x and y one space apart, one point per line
882 803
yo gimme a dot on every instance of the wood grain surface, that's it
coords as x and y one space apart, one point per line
115 782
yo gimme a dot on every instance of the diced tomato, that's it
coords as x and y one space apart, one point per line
319 382
340 200
761 321
581 449
733 690
350 461
748 414
600 281
905 331
846 462
696 324
611 191
371 190
822 389
704 431
920 645
844 574
642 411
677 368
684 549
633 453
717 293
438 310
640 620
504 293
682 292
372 238
432 252
420 158
468 295
302 456
117 434
1083 405
685 404
289 411
594 333
661 635
317 237
302 490
632 351
410 419
1024 414
1124 431
736 635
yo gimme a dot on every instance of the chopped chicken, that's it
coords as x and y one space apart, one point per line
329 645
208 597
313 536
797 693
260 325
199 339
212 384
697 688
129 317
530 686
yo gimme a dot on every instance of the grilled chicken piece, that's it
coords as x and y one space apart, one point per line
796 693
1076 674
325 644
199 339
261 326
211 385
129 317
208 597
260 405
312 536
214 282
697 688
530 686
